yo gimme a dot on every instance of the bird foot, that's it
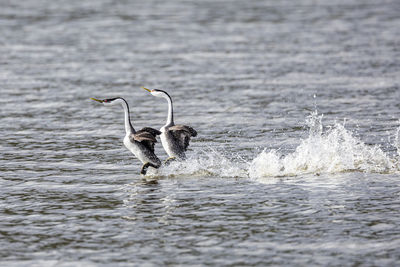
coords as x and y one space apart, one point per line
146 166
168 160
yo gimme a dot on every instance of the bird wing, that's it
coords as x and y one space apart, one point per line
146 136
182 134
180 127
150 130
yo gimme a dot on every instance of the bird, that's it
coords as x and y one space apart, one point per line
174 138
140 143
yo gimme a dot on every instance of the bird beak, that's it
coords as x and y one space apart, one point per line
146 89
98 100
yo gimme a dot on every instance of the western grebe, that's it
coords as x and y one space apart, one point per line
174 138
140 143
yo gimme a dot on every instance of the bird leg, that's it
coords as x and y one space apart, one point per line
168 160
146 166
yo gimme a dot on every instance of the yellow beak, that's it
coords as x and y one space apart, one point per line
146 89
98 100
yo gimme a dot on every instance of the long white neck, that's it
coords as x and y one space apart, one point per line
128 125
170 117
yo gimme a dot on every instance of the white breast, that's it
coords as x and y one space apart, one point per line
135 150
165 144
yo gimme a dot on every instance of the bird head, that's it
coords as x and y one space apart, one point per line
108 101
157 92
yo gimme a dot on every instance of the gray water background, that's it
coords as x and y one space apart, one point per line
245 75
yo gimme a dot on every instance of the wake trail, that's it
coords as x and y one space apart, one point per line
335 150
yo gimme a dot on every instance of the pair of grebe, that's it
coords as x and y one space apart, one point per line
174 138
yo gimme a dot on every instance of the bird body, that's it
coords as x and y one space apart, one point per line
174 138
169 144
140 143
141 151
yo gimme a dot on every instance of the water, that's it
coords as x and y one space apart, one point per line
297 109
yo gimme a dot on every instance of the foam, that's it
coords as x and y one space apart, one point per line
333 151
204 163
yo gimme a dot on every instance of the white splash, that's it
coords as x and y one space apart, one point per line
397 140
333 151
207 162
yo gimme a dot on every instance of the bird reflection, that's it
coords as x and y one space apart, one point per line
148 201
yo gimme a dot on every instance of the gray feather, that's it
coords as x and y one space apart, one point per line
182 134
184 128
146 136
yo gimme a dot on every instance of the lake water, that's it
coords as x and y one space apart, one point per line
297 110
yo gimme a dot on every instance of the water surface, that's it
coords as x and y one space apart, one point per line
297 109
